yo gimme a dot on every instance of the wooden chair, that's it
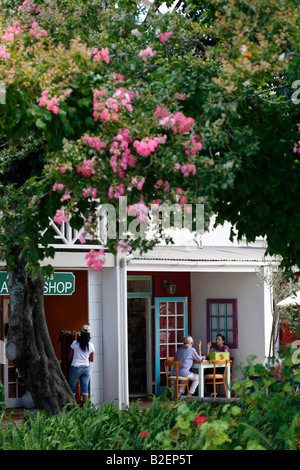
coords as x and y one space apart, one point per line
175 380
231 373
217 378
231 368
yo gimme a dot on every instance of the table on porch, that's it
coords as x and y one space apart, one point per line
200 366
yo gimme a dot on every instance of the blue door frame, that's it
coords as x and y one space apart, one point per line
183 330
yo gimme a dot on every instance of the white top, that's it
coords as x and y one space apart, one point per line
80 357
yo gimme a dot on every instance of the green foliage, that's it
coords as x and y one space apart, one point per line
2 397
235 62
247 101
265 417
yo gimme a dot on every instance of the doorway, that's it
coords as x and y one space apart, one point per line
139 363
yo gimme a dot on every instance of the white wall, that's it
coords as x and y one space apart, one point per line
252 333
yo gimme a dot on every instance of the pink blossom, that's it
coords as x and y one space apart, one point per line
94 142
161 184
95 259
36 31
121 155
160 112
66 196
88 167
174 121
124 246
140 184
146 53
148 145
108 110
89 192
59 217
164 36
140 210
101 55
181 96
53 108
4 54
118 76
57 186
51 104
194 146
11 31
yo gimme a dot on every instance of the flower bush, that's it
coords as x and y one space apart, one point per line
265 417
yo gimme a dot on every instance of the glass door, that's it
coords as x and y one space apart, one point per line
171 325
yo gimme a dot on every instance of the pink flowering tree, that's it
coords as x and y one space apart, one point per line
138 114
91 117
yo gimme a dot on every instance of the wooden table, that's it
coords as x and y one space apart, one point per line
200 366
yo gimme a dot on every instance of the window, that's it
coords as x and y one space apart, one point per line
139 286
222 318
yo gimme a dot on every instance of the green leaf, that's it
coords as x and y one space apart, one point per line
40 124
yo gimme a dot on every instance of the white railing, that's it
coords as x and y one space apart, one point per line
67 238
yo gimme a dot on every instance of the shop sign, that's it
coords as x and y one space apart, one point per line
56 284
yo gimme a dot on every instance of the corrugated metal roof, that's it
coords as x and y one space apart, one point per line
207 253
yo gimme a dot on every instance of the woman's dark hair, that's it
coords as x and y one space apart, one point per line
83 340
221 336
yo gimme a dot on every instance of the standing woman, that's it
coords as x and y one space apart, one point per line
80 355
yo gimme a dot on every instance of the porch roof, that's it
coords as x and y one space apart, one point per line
206 254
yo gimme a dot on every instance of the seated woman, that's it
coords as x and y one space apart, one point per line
219 345
187 355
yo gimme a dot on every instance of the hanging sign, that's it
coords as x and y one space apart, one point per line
57 284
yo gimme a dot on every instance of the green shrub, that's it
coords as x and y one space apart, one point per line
2 398
266 416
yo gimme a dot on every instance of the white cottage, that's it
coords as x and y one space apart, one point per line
140 307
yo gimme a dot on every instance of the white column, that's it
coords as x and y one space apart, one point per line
268 311
96 323
123 336
115 345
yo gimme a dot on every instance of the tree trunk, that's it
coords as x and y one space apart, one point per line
29 345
